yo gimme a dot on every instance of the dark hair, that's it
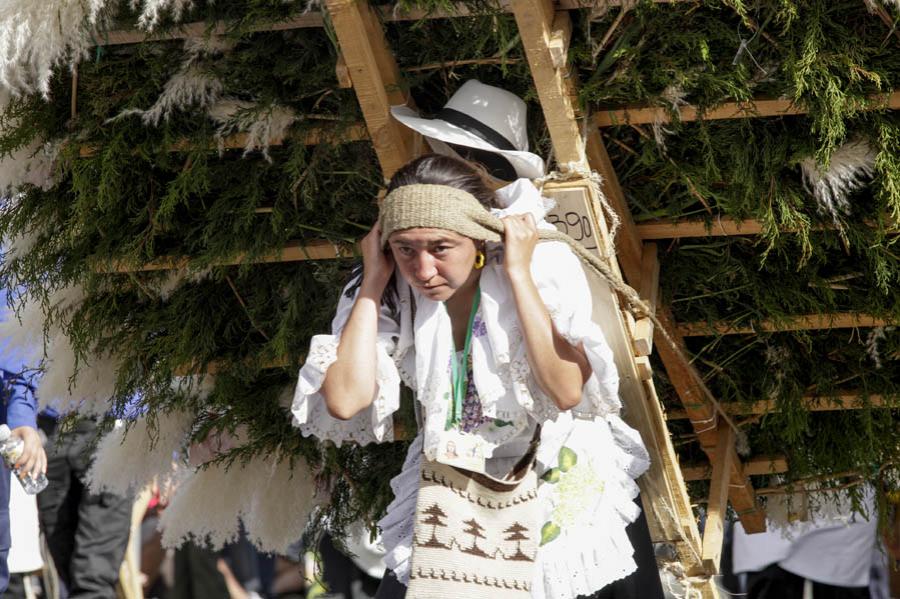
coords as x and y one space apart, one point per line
431 169
437 169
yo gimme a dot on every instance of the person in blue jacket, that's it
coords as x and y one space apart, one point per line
18 410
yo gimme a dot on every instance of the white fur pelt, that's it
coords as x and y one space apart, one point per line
60 387
851 167
67 385
262 124
153 10
674 96
36 37
128 458
32 164
171 280
872 5
273 501
190 86
281 507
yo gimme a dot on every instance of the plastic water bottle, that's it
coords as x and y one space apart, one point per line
11 449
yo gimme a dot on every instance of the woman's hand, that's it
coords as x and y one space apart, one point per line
378 265
33 460
520 236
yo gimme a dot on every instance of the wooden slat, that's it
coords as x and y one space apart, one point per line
376 80
852 400
717 507
292 252
315 19
535 19
757 466
724 226
649 291
762 107
720 227
705 421
806 322
311 137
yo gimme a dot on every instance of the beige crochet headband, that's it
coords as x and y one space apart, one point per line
437 207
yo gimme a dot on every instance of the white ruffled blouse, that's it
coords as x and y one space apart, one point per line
591 499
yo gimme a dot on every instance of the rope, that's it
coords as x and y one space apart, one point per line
426 206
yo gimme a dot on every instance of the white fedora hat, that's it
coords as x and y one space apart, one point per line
482 117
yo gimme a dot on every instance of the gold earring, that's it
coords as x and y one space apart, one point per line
479 260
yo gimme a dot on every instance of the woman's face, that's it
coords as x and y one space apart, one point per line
436 262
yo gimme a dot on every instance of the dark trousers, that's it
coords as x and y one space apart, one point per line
87 533
197 574
777 583
644 582
343 578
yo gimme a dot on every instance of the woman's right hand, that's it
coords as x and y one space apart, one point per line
378 265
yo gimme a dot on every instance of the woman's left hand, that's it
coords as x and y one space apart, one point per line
520 236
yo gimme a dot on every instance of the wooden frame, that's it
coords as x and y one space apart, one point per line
761 107
758 466
805 322
848 400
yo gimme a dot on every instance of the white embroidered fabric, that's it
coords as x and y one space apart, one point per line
592 549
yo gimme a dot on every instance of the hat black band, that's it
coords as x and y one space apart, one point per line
475 127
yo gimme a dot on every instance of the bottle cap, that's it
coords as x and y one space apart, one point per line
4 433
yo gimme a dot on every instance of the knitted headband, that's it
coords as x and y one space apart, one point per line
445 207
437 207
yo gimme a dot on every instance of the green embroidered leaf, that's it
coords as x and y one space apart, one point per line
549 531
567 459
551 476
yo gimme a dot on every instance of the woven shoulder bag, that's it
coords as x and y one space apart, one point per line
474 536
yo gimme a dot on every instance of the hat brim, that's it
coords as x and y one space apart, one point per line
528 165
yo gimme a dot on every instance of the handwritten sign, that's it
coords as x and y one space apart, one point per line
571 216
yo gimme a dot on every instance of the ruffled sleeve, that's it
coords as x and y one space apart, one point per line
375 423
563 286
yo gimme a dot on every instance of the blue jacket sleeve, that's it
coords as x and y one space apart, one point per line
21 410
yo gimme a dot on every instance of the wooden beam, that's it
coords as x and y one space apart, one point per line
314 19
310 137
806 322
850 400
724 226
705 420
717 507
536 19
292 252
635 115
376 80
757 466
649 291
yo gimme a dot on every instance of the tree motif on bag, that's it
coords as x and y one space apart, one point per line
475 530
434 519
515 534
